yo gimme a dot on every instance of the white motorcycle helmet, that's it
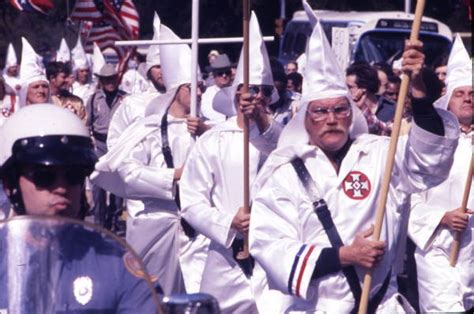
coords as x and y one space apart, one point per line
43 134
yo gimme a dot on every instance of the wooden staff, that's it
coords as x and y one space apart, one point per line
382 201
453 258
246 24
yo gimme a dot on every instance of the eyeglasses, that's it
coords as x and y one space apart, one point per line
45 176
266 90
201 87
222 73
320 114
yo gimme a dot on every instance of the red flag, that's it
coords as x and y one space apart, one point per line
41 6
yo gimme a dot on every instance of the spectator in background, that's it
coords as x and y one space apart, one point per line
210 58
383 72
393 88
58 74
100 108
291 67
440 67
363 83
221 72
295 82
281 110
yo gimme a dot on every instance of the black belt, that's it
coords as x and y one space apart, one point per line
100 136
321 210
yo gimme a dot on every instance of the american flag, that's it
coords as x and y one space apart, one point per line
106 21
42 6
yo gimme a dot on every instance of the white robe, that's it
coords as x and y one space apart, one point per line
211 193
133 82
207 110
135 168
84 91
441 287
286 237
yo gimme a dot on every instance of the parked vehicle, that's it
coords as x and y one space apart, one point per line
365 36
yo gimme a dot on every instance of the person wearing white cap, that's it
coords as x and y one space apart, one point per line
211 184
435 213
11 71
82 86
316 196
34 84
146 162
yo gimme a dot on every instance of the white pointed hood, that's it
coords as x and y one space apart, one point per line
31 70
175 68
153 55
98 60
312 18
79 59
260 71
324 79
459 72
11 59
63 54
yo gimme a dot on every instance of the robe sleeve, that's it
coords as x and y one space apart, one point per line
268 140
145 173
196 187
424 220
277 238
425 159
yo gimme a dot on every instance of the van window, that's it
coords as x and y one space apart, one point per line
381 46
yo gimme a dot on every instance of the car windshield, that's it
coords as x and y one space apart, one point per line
380 46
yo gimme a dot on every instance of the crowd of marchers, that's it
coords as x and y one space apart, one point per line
81 140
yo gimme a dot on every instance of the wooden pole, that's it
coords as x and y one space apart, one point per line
382 201
453 258
246 24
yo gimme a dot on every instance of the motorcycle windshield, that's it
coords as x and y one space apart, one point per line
56 264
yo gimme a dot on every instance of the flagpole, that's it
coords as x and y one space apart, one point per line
246 24
453 258
382 201
194 57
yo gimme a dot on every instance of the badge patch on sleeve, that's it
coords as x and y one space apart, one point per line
356 185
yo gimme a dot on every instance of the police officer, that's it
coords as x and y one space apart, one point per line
45 155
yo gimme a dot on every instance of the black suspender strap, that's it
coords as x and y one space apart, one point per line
321 210
165 145
166 150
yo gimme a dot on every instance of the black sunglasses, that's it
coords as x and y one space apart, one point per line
267 90
222 73
45 177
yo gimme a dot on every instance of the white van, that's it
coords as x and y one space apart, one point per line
365 36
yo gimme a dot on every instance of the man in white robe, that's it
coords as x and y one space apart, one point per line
11 70
137 167
435 215
82 86
286 236
211 185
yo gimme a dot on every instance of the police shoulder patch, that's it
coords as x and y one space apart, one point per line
133 266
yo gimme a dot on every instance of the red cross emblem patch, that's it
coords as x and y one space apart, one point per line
356 185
